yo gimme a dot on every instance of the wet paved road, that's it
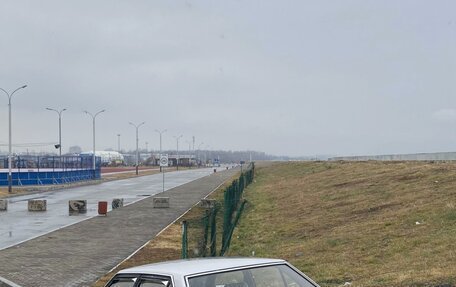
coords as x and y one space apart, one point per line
76 256
18 224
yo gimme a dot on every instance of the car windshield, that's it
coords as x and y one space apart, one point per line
269 276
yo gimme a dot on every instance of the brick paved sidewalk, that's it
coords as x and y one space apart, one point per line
79 254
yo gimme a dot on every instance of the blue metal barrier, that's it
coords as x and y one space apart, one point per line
49 177
51 170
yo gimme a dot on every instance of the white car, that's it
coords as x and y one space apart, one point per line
214 272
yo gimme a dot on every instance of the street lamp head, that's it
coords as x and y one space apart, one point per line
24 86
49 109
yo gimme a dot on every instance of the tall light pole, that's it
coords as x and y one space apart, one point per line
199 147
205 153
137 140
177 142
59 112
93 129
118 143
10 177
160 132
189 152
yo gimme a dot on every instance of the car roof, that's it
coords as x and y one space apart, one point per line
187 267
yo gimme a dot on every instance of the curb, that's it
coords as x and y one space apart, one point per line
6 283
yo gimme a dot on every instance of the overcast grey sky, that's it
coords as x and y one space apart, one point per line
283 77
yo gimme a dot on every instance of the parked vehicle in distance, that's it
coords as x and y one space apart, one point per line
214 272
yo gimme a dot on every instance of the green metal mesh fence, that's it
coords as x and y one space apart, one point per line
231 208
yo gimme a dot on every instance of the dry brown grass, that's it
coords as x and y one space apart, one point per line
355 222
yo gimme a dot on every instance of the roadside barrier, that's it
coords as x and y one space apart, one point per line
117 203
37 205
232 208
161 202
79 206
3 204
102 207
76 207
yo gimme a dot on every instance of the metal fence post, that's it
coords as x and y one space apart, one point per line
214 231
184 240
206 233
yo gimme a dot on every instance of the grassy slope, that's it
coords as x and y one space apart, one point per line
355 222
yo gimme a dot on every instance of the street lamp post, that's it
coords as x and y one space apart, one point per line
161 132
93 129
137 140
59 112
205 153
10 177
199 147
118 143
177 142
189 153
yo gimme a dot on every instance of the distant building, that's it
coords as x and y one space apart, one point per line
184 160
107 157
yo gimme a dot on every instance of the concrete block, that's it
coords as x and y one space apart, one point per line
3 204
161 202
207 203
117 203
76 207
37 205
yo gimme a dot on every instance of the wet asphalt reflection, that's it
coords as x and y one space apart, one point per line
17 224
